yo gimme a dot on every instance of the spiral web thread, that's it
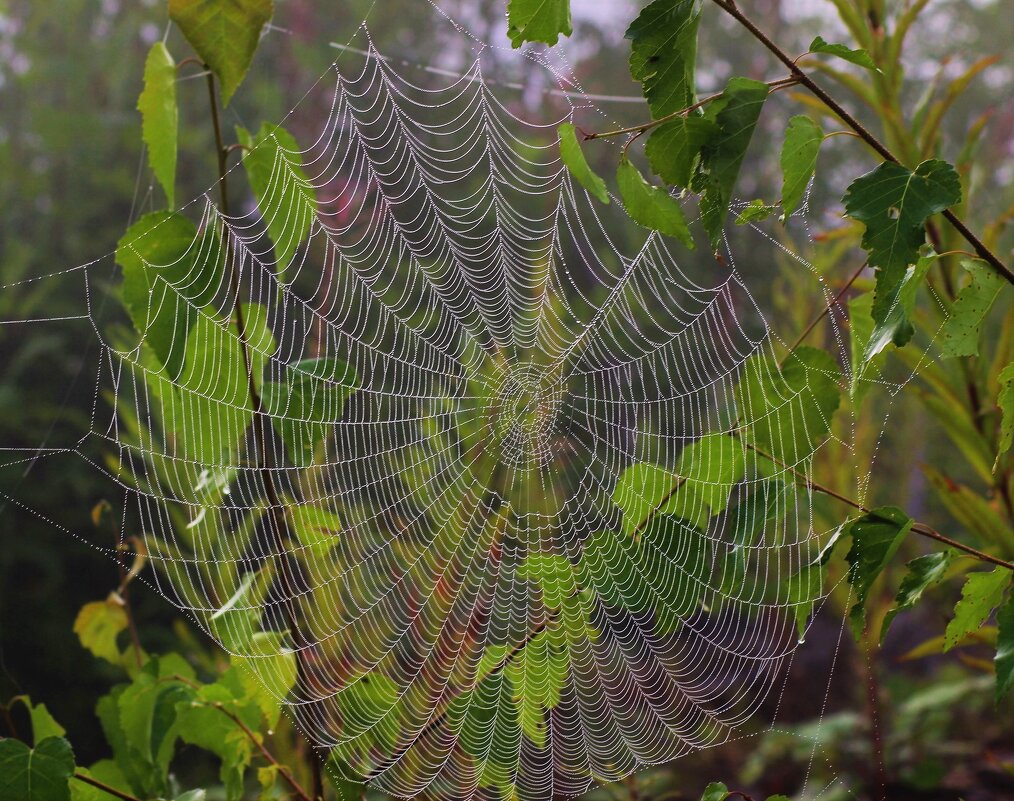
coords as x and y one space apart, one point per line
518 543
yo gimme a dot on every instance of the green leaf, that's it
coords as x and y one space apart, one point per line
308 404
876 537
788 411
97 626
105 771
1005 400
267 673
960 333
193 795
200 723
209 407
982 593
663 40
316 528
674 147
371 718
284 194
651 206
1004 660
754 211
537 674
224 34
716 791
36 774
573 158
165 276
44 725
554 575
799 159
894 204
895 325
802 592
160 117
735 113
537 21
923 573
858 57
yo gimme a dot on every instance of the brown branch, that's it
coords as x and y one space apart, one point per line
801 77
827 309
104 787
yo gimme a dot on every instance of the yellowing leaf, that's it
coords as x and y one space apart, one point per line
799 159
982 593
97 626
160 117
960 333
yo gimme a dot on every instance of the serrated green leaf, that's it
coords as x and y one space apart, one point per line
1005 400
735 113
876 537
923 573
573 158
982 593
35 774
859 57
799 159
960 333
663 41
225 35
537 21
1004 659
788 411
674 147
307 405
97 626
160 117
284 194
754 211
651 206
894 204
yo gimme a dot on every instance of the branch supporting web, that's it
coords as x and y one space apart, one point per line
468 445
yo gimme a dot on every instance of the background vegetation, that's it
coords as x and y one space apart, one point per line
918 716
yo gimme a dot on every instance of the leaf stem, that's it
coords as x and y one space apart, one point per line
104 787
801 77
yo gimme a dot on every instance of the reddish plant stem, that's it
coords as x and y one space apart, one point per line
105 788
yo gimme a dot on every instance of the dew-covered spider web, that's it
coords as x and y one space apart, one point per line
471 447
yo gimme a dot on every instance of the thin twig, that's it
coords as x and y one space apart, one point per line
730 8
781 83
921 529
827 309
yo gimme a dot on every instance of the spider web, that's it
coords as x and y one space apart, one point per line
474 454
